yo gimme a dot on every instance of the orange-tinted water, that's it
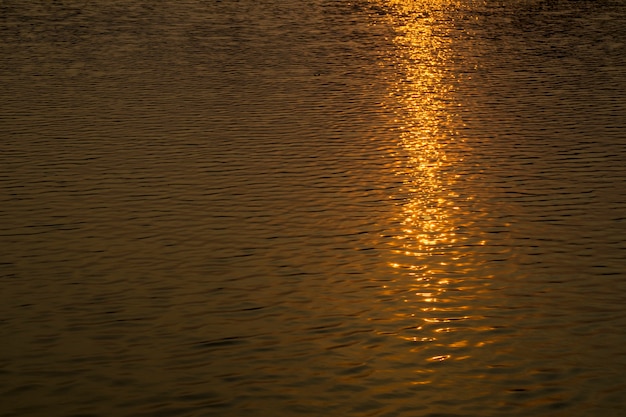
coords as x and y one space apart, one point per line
285 208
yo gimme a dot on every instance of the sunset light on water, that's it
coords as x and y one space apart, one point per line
323 208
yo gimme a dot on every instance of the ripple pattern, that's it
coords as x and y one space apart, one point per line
277 208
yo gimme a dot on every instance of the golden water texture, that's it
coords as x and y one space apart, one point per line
287 208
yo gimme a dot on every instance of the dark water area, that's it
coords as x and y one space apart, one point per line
323 208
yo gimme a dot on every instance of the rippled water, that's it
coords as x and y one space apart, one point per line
285 208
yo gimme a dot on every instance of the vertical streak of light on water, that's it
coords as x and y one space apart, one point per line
427 254
443 261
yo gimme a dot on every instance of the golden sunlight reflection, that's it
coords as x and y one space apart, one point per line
427 248
423 110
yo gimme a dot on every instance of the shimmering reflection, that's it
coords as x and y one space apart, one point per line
436 255
424 115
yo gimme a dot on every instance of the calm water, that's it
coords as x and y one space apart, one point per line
322 208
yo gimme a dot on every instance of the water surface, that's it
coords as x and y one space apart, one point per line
284 208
